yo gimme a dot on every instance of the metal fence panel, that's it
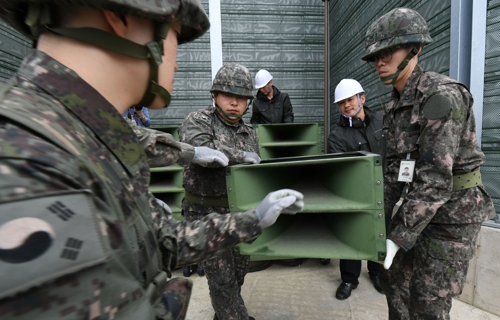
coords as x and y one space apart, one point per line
13 48
286 37
490 142
349 21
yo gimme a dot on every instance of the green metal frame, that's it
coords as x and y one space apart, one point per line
343 216
173 130
166 185
166 182
280 140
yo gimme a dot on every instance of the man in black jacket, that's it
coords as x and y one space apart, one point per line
359 129
270 105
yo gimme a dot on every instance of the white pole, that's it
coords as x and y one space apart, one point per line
215 36
478 54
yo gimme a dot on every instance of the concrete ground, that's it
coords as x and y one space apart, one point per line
308 292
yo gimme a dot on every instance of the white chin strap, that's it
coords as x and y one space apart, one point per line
355 113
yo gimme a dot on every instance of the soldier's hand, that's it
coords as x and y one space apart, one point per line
275 203
205 155
392 248
165 207
251 157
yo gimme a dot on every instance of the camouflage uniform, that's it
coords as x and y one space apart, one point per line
161 148
438 223
226 271
436 226
81 237
64 169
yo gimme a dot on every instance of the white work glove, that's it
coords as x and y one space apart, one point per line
251 157
205 155
392 248
165 207
275 203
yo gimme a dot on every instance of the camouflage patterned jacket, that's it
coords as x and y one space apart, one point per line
81 237
207 128
432 120
162 150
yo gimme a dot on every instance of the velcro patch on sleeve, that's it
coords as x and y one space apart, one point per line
202 117
437 107
44 238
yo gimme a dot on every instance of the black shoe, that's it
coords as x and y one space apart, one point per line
344 290
187 271
249 318
325 262
376 284
200 271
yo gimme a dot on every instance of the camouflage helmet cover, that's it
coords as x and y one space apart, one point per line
397 27
189 13
234 79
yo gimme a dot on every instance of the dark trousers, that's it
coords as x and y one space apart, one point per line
351 269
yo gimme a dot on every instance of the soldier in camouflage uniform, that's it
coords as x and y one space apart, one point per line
429 121
81 236
220 127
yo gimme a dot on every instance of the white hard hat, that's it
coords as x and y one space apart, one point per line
347 88
262 78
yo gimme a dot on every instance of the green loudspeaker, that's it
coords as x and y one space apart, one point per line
343 216
279 140
166 185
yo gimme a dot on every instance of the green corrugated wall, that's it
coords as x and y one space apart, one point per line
13 48
349 21
284 36
490 142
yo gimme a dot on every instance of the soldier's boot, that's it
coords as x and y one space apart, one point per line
187 271
200 271
217 318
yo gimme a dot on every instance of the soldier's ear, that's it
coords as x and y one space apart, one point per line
116 22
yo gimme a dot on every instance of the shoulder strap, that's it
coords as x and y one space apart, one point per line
17 113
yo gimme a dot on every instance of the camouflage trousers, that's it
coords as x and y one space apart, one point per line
421 282
225 273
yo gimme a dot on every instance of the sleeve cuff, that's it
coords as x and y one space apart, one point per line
250 223
187 154
403 237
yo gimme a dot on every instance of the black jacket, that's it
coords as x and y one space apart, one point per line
277 110
362 136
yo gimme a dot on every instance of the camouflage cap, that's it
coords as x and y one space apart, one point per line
397 27
235 79
189 13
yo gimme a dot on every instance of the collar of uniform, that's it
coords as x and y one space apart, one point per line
86 104
408 96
